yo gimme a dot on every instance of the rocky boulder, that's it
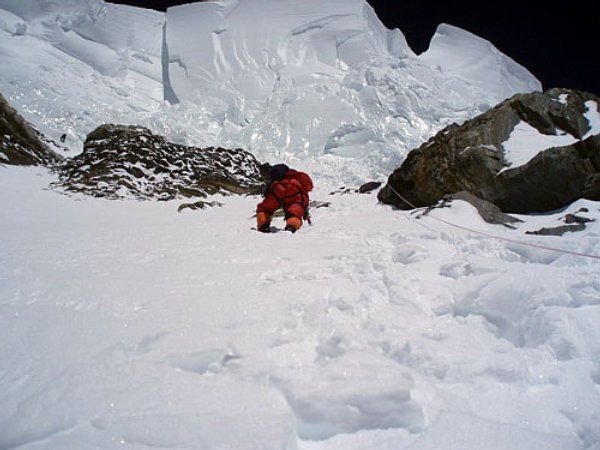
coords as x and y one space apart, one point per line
20 144
531 153
129 161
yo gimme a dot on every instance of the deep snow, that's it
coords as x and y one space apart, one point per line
126 323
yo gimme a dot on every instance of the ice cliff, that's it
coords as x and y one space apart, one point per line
321 84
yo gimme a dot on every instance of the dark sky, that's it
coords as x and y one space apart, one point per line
559 45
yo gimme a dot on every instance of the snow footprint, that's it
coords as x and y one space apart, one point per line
330 349
348 394
456 270
403 354
410 254
202 363
146 344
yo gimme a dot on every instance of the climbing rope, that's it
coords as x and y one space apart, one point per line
493 236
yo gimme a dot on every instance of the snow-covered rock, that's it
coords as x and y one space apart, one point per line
127 161
320 84
531 153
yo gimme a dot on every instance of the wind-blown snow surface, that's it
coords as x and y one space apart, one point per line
322 82
126 324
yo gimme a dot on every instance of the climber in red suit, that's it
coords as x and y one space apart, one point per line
288 190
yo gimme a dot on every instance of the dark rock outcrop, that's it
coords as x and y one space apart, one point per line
559 230
129 161
20 143
471 158
369 187
365 188
200 204
572 223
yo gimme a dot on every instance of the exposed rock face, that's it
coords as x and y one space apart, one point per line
368 187
129 161
20 144
365 188
474 157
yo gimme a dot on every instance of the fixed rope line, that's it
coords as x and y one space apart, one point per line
493 236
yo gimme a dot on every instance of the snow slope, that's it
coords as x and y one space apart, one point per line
321 82
126 324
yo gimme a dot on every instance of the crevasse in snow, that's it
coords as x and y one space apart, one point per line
322 84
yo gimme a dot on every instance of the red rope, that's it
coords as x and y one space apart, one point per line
483 233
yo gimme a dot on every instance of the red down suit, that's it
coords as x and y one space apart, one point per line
289 193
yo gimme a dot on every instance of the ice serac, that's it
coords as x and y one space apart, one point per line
271 72
283 79
244 48
315 81
463 55
322 85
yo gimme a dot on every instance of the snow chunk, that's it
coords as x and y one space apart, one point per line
593 117
11 23
562 98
